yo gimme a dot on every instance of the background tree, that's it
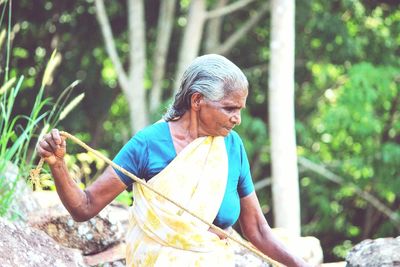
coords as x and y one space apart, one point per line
285 186
132 81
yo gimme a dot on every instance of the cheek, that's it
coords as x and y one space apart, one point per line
224 116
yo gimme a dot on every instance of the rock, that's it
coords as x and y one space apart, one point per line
22 202
383 252
48 200
113 256
244 257
93 236
308 247
334 264
23 246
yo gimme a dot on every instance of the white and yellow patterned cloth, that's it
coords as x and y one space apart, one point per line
160 233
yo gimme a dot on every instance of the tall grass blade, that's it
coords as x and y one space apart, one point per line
57 107
8 41
3 12
54 61
44 130
8 84
2 37
71 106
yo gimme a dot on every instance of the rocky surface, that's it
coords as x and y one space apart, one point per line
93 236
113 256
243 257
308 247
24 246
102 238
383 252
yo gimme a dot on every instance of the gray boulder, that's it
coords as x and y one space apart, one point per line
21 203
382 252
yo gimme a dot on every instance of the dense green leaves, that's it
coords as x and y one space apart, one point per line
355 132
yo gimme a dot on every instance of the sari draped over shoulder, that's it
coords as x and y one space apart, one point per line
162 234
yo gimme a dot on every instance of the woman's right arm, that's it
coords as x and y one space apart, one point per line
81 204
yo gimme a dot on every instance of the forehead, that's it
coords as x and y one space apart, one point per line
235 96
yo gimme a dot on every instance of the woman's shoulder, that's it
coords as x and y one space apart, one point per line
233 141
157 129
233 137
156 132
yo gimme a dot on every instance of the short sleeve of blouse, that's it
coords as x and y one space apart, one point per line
132 158
245 185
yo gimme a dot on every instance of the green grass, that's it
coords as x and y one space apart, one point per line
16 133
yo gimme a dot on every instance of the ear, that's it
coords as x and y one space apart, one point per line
196 100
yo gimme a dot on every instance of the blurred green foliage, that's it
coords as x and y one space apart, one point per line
354 132
347 97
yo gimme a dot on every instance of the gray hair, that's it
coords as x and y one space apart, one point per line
213 76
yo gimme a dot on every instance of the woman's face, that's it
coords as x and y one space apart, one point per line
217 118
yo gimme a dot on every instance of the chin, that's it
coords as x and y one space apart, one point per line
226 132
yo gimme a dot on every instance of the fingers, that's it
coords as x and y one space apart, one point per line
51 144
56 137
43 150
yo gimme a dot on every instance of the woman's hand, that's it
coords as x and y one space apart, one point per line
256 229
52 147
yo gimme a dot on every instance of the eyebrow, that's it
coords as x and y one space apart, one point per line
234 106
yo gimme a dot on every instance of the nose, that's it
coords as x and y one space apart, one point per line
236 118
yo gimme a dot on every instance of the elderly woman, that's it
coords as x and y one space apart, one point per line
193 157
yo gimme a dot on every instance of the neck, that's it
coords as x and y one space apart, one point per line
184 130
187 126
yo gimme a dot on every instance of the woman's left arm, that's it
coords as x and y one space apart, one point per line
256 229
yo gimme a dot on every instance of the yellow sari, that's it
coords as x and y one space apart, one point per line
161 234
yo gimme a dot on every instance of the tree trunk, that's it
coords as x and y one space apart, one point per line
136 94
132 84
285 187
190 44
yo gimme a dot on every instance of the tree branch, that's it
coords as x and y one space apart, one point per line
392 118
321 170
109 42
225 47
191 39
219 12
259 67
164 30
267 181
212 38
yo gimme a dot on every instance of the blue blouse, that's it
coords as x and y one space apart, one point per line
152 149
